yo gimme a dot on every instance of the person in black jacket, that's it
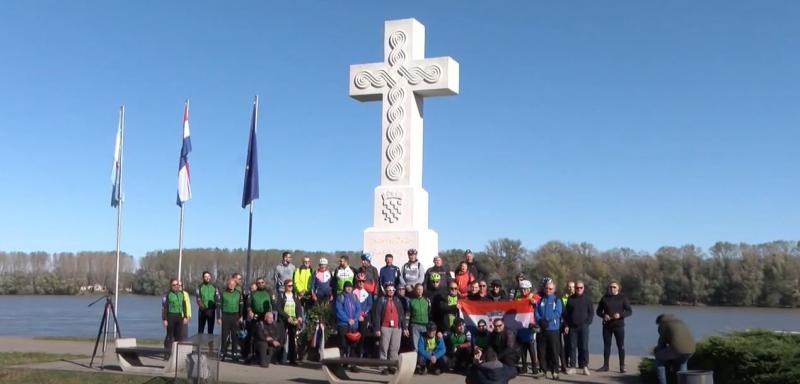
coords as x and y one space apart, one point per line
490 370
476 269
578 316
613 309
269 337
504 343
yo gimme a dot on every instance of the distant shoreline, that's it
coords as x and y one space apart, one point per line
699 305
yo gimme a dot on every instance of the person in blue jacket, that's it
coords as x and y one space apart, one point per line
548 315
348 317
389 274
430 352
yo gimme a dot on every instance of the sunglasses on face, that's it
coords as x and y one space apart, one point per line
483 285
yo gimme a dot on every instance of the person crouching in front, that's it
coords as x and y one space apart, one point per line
268 339
431 352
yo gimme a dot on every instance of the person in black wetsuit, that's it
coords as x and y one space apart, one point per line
613 308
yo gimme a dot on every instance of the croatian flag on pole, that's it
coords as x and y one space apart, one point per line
516 314
184 187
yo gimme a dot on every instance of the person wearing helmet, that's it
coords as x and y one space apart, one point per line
431 351
412 271
389 273
348 317
444 273
321 288
370 273
365 299
446 308
526 336
435 282
344 273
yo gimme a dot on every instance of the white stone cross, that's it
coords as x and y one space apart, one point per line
402 81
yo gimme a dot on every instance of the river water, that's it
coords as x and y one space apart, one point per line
140 316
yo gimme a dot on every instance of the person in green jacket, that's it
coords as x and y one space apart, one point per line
420 308
230 316
207 297
173 315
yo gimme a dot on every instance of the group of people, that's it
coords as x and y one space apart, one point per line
379 313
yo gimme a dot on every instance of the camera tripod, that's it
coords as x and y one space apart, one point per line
108 312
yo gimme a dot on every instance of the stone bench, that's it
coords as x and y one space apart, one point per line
334 366
129 356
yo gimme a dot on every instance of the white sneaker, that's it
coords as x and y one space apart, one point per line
586 371
570 371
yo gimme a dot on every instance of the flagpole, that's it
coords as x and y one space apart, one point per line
119 212
180 245
249 243
250 225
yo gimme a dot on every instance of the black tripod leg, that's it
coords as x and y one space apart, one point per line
99 333
116 322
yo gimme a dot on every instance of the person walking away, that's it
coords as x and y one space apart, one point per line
548 313
207 297
675 345
390 316
230 316
371 275
431 351
173 315
578 315
412 272
420 310
268 339
291 315
613 308
389 274
283 271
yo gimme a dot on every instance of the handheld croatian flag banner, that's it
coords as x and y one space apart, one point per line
516 314
184 187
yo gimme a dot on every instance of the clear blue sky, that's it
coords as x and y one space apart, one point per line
621 123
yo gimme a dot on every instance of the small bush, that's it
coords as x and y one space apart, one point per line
759 356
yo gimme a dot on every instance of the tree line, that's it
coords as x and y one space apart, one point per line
727 274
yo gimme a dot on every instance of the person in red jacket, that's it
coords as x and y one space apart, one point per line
463 279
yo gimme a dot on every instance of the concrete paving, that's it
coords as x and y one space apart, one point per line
307 373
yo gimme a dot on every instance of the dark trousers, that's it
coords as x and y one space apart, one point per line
441 364
459 360
619 336
230 328
346 348
206 317
552 351
291 342
566 360
528 349
174 330
579 340
264 351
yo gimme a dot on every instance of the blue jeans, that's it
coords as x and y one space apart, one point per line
666 357
416 331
